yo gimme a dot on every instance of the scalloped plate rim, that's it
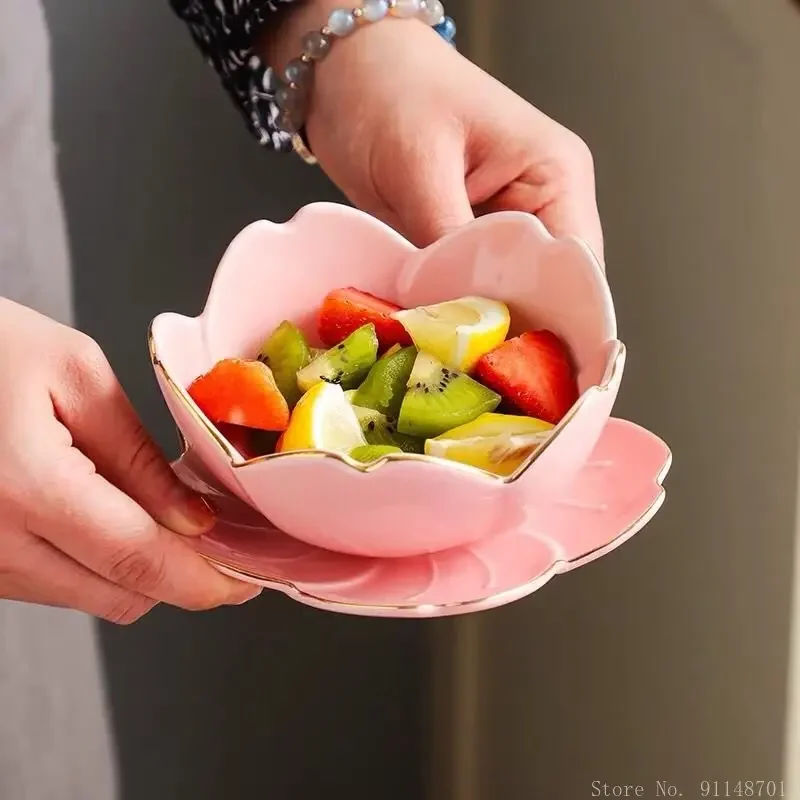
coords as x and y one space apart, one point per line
435 610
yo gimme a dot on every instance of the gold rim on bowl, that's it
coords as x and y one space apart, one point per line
237 461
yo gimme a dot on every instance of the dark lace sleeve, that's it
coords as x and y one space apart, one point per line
224 31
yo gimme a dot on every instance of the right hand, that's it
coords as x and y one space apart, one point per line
470 145
91 515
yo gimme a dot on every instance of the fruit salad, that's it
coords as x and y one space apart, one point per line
443 381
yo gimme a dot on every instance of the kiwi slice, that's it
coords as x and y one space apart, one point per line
285 352
346 363
372 452
385 385
379 430
439 399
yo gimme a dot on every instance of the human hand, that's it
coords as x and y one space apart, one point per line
421 138
90 512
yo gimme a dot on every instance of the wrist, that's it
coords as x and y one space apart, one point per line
281 44
321 31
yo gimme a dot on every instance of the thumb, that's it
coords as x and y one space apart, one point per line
428 194
104 426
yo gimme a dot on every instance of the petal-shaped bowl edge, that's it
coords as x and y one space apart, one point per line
611 377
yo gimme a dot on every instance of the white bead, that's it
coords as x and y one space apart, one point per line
341 22
433 13
407 8
375 10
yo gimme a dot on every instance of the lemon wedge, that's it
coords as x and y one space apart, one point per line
323 419
497 443
457 332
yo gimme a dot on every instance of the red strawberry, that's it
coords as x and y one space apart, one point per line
344 310
249 442
240 438
534 373
239 392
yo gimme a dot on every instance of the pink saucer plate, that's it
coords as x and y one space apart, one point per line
405 504
613 496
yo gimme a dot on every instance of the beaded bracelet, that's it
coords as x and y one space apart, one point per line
292 96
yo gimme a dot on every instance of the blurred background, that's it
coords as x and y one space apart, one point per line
669 659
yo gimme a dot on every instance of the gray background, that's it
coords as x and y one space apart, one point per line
669 659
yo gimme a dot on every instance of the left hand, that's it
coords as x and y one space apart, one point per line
417 135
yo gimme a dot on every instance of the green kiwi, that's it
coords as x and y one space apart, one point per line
372 452
385 385
346 363
439 399
379 430
285 352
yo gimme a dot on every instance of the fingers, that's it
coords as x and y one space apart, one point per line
84 516
93 406
566 214
559 188
426 192
33 571
572 211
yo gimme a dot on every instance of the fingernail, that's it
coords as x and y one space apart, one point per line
192 517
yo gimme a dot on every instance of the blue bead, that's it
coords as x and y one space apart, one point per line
446 29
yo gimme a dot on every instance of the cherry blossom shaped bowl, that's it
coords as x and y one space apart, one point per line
403 505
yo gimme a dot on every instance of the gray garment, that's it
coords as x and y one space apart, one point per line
54 733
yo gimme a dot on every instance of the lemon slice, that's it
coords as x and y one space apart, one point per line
457 332
323 419
497 443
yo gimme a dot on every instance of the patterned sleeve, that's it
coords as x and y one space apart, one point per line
224 30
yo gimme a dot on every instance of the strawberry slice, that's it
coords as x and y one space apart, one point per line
240 438
534 373
249 442
345 310
239 392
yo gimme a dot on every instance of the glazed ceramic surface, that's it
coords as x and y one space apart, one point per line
405 505
612 497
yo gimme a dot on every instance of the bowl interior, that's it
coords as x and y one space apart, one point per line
274 272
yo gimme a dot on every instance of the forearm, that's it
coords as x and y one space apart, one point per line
229 34
249 43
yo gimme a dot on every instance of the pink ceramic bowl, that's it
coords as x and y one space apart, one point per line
403 505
